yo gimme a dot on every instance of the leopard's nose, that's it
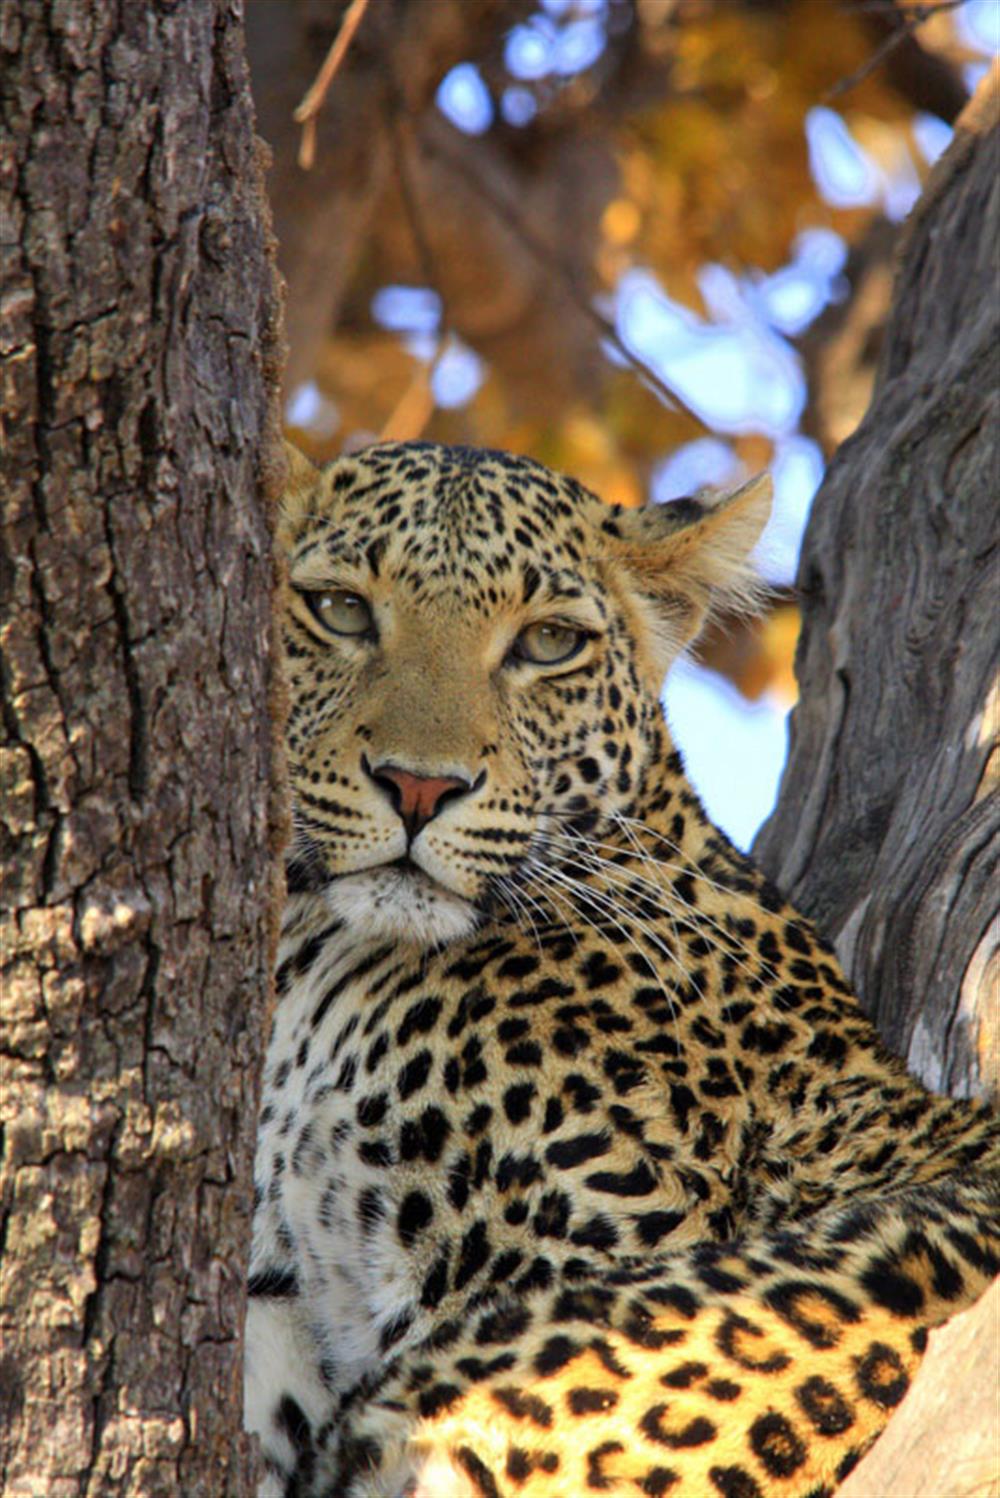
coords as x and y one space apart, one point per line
417 798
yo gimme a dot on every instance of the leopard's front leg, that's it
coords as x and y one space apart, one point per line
754 1369
381 1447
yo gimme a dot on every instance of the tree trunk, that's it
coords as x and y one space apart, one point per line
888 823
140 368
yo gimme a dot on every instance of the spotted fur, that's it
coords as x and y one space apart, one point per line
580 1169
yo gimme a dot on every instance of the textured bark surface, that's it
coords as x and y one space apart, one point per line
139 354
887 829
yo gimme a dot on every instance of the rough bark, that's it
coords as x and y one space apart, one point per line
886 830
139 363
888 821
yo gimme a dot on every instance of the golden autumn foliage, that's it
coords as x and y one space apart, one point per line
682 145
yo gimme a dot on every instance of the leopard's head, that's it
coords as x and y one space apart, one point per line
475 648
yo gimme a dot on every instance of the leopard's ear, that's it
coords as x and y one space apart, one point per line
299 487
686 560
302 474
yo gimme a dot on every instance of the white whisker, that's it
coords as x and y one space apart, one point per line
519 907
580 845
557 879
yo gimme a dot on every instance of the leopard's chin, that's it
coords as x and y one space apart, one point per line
399 902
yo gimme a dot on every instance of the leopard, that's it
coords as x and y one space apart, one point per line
580 1167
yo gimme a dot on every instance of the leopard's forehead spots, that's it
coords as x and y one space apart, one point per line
438 516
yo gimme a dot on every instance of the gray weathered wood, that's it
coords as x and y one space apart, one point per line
887 828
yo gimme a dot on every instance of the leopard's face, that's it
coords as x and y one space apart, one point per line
473 663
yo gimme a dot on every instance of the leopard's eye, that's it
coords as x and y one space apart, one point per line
340 612
549 644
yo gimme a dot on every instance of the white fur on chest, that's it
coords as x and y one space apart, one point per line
355 1279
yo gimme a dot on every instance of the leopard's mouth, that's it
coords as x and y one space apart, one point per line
307 869
399 900
402 874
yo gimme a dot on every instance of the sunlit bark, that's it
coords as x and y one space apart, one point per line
139 368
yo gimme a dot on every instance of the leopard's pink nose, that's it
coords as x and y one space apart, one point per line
417 798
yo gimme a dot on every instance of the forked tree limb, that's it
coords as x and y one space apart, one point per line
887 829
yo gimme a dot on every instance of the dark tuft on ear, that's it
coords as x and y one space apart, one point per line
689 559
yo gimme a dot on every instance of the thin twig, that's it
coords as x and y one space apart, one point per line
411 413
550 261
910 19
928 8
414 408
411 206
312 103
